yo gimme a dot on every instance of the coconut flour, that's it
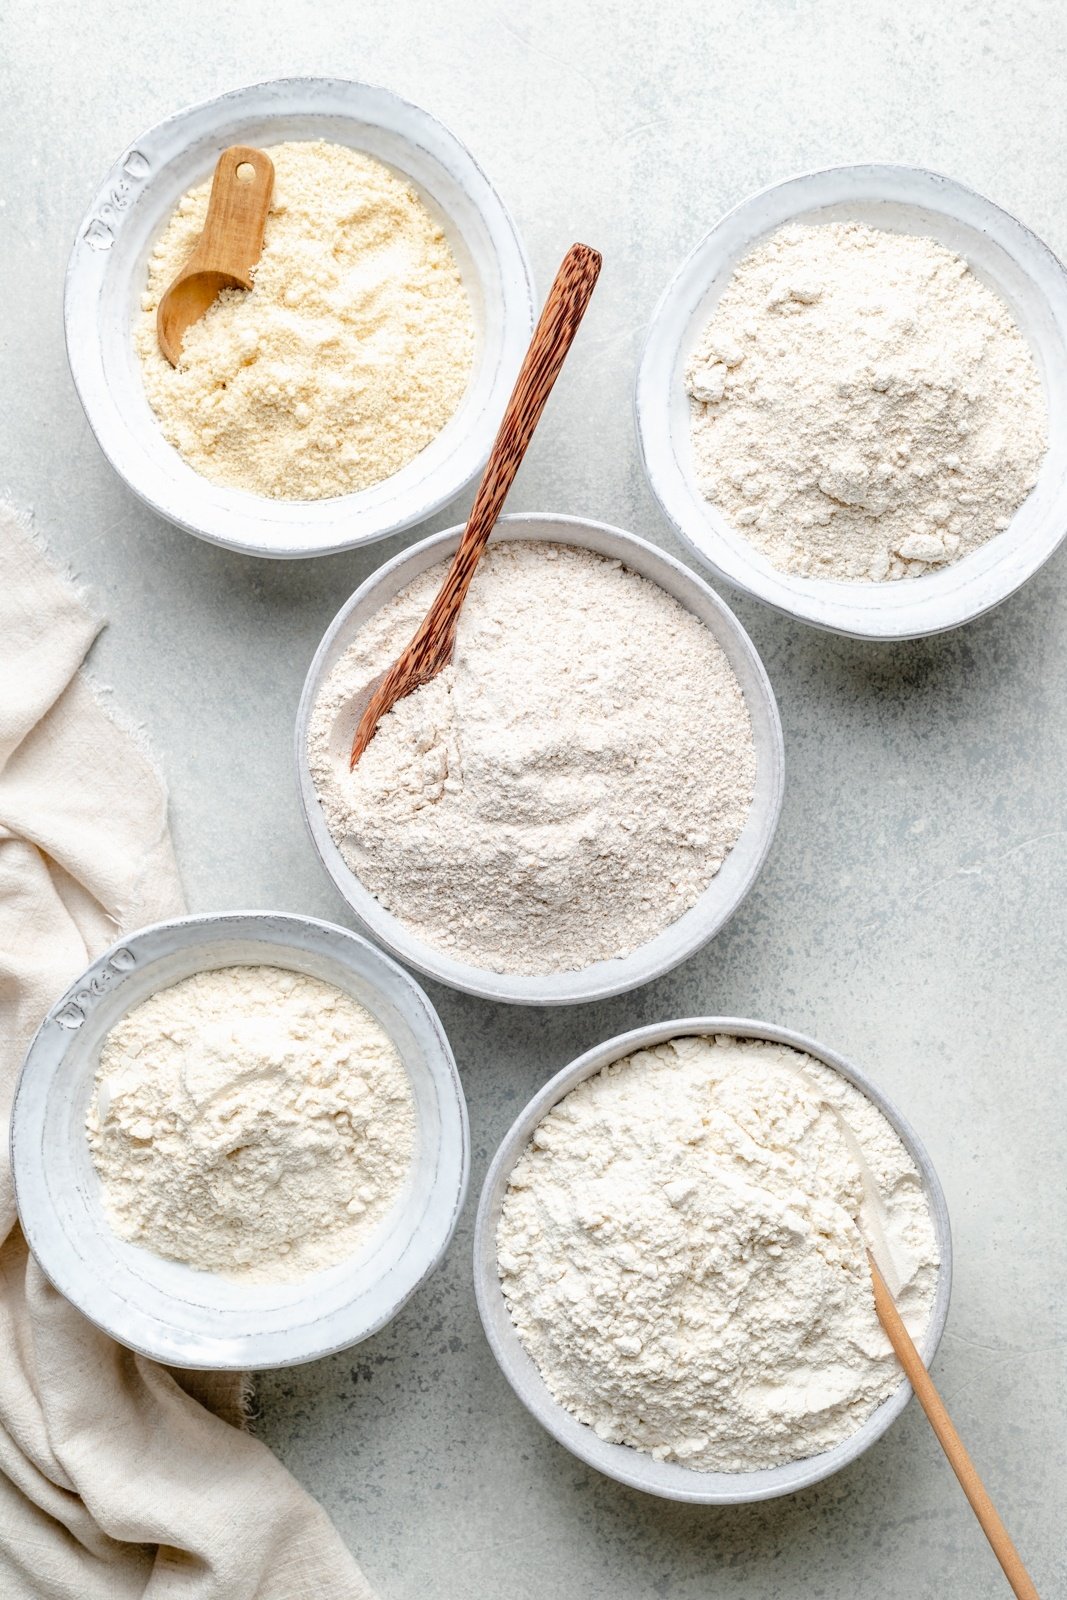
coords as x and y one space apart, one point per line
862 406
679 1251
563 791
251 1121
349 354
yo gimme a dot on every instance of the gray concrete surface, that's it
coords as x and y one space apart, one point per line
911 912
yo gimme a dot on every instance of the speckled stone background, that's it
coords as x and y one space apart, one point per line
911 913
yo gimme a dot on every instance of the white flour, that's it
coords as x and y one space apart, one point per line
251 1121
564 790
862 406
348 355
679 1252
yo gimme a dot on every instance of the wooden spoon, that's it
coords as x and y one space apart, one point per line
433 644
948 1438
226 250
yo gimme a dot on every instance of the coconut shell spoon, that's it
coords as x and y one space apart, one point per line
228 248
431 648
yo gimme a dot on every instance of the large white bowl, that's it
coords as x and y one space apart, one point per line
636 1468
106 278
730 884
199 1319
1003 254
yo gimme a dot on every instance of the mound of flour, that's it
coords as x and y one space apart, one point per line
862 406
567 788
680 1253
251 1121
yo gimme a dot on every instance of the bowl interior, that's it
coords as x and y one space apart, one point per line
170 1310
1003 254
730 884
669 1479
108 272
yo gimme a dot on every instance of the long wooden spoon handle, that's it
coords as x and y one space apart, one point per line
431 648
564 309
950 1441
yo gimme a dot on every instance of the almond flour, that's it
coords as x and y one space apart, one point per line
346 358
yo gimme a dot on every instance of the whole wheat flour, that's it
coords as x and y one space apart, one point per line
349 354
680 1254
862 407
250 1121
564 790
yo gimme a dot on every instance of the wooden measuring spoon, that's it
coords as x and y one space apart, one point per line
433 644
226 250
949 1440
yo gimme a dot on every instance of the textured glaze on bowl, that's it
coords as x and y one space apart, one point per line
730 884
634 1467
1003 254
106 278
167 1310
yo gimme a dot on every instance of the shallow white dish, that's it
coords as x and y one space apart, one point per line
633 1467
733 880
106 278
167 1310
1003 254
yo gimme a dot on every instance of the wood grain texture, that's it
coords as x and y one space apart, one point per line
433 644
950 1441
227 249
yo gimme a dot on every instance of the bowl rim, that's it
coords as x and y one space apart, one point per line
44 1064
919 619
86 271
627 1465
604 978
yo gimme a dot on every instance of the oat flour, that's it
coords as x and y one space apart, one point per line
862 406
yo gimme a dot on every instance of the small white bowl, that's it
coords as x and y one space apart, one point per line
107 273
199 1319
730 884
636 1468
1003 254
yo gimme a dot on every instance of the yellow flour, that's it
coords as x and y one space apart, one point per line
348 356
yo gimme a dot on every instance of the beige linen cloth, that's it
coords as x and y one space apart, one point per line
117 1478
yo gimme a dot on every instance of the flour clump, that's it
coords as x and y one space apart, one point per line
862 406
679 1251
251 1121
565 789
349 354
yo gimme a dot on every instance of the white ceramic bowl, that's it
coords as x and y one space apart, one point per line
106 278
633 1467
733 880
1003 254
170 1311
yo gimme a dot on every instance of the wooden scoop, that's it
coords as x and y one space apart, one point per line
433 644
228 248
